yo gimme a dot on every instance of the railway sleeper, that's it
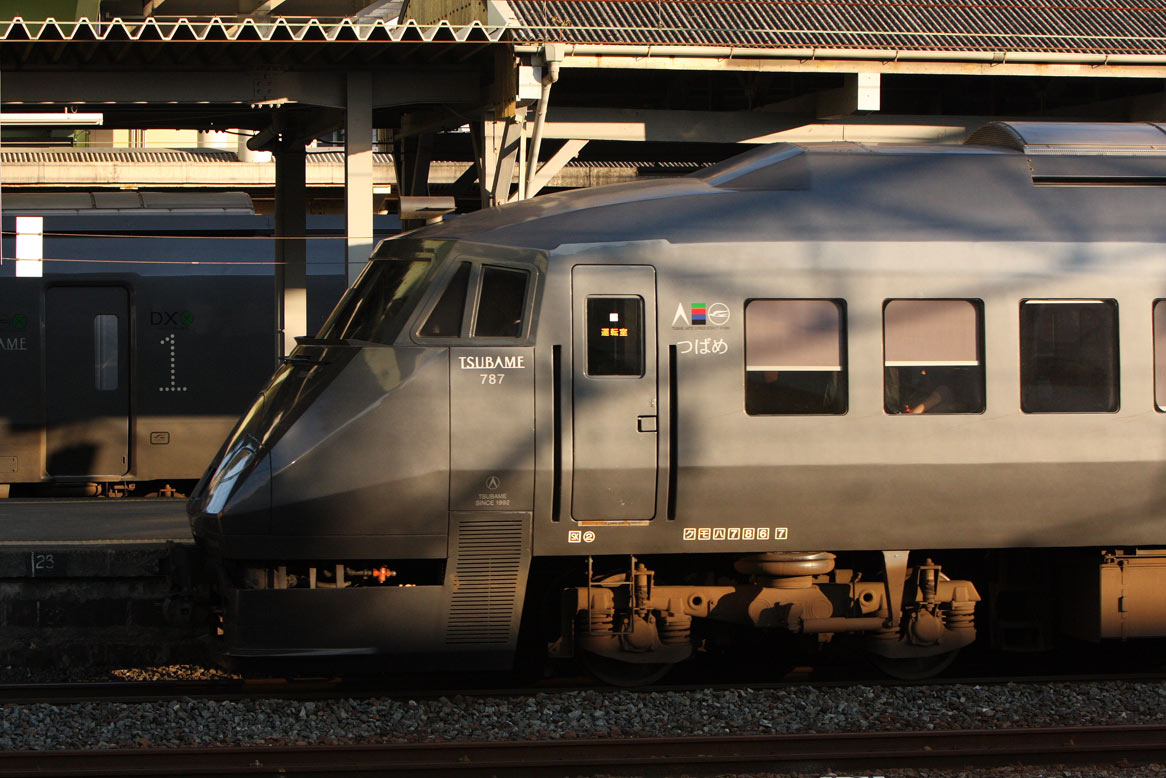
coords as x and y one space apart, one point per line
629 618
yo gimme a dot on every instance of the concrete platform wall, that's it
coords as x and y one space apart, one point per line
73 608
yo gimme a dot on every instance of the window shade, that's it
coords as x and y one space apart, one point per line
793 335
930 332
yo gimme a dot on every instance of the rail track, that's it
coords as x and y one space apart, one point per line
432 687
411 687
866 752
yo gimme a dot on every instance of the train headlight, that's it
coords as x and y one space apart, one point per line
234 463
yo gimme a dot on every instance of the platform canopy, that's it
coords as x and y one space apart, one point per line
517 89
1091 37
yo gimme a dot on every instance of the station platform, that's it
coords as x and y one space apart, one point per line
40 522
96 584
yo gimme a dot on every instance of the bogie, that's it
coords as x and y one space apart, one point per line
631 618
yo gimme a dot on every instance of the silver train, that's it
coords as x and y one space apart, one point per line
784 397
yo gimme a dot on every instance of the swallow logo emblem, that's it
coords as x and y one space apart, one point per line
493 482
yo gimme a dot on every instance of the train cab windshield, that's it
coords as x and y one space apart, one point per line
377 307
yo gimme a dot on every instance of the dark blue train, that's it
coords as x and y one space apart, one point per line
152 328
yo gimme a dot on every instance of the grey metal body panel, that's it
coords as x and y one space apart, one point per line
370 455
1011 504
475 614
390 620
867 479
395 620
491 409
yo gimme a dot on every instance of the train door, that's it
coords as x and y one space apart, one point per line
87 370
615 449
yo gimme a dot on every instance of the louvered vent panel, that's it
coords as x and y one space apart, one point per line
488 566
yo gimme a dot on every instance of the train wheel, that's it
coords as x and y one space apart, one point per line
625 674
914 668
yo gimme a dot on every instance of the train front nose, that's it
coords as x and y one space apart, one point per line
234 496
237 490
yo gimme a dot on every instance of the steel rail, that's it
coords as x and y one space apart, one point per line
64 693
864 751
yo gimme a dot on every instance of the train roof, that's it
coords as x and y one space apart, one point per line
1076 138
99 203
1020 181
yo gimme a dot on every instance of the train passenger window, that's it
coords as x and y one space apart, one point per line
445 321
1068 356
795 357
500 303
1160 354
105 352
932 356
615 336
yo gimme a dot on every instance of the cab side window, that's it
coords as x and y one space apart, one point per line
615 336
446 319
795 357
1160 354
932 356
501 302
1068 356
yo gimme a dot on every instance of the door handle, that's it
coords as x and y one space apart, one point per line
646 423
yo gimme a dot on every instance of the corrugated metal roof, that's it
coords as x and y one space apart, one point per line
1052 26
1106 27
215 30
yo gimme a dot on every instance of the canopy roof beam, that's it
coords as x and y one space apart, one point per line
392 87
887 63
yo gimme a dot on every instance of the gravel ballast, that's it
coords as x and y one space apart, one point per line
580 714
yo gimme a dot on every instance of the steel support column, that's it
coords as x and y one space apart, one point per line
501 153
412 156
291 256
358 174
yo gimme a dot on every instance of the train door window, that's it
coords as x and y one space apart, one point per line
932 356
615 336
1068 356
795 357
1160 354
105 352
445 321
501 302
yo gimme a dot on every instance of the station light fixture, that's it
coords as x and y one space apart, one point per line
51 119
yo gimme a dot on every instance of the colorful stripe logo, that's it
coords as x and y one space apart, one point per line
699 313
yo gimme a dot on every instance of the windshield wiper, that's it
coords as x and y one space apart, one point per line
296 361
